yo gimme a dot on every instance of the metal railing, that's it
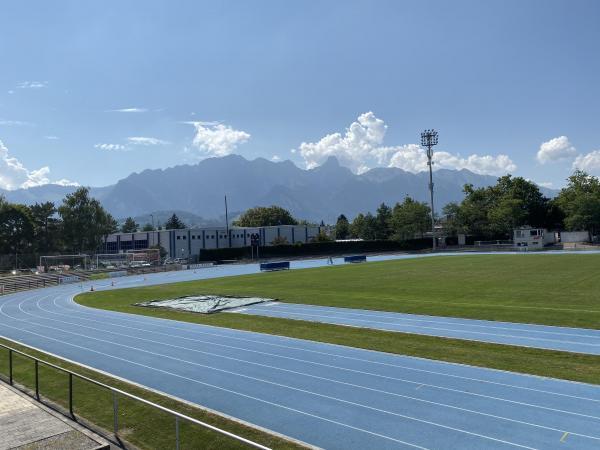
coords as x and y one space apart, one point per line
178 417
493 243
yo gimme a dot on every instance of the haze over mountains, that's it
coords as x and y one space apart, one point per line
317 194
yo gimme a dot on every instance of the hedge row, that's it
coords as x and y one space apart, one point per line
316 248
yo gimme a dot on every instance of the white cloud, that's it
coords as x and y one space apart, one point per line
546 184
51 138
589 162
15 123
32 84
361 148
14 175
355 149
140 140
275 158
216 139
65 182
129 110
413 158
556 149
111 147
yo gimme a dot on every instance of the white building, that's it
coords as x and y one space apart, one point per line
532 237
574 237
191 241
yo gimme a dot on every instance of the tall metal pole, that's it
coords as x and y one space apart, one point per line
226 218
429 138
429 163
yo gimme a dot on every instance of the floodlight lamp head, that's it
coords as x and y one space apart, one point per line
429 138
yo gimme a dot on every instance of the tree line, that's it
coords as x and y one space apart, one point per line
80 223
490 212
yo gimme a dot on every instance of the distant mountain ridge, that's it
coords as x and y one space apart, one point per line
317 194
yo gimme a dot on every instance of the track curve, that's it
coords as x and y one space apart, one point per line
326 395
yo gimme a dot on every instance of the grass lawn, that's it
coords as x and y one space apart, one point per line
141 425
549 289
545 289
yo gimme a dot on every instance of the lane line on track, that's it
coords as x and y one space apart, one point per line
304 349
425 328
220 388
360 405
298 360
476 323
346 383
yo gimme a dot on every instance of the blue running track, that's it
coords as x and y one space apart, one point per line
578 340
329 396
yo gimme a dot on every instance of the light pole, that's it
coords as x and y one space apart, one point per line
429 138
153 228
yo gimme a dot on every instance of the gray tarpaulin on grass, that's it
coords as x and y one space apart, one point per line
204 303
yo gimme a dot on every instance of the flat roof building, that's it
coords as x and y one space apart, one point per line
191 241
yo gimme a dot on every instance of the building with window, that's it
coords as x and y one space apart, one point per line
533 237
191 241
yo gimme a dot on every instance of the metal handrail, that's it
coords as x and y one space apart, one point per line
115 391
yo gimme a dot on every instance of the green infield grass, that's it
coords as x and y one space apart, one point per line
561 290
547 289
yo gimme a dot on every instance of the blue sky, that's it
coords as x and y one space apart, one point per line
90 92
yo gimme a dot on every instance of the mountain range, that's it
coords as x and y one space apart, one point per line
317 194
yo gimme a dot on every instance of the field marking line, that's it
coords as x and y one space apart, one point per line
243 349
426 422
219 388
195 328
331 380
432 319
319 317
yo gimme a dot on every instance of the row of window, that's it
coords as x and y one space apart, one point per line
208 236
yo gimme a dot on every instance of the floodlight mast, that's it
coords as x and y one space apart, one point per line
429 138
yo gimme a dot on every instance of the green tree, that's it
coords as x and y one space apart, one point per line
409 219
174 223
506 215
364 227
84 222
580 203
383 228
262 216
47 227
495 210
342 227
531 202
129 226
16 228
148 227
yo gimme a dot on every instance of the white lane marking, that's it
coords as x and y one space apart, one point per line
187 328
270 382
195 340
327 319
280 385
322 378
400 316
218 387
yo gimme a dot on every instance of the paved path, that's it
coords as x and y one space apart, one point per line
576 340
26 425
330 396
